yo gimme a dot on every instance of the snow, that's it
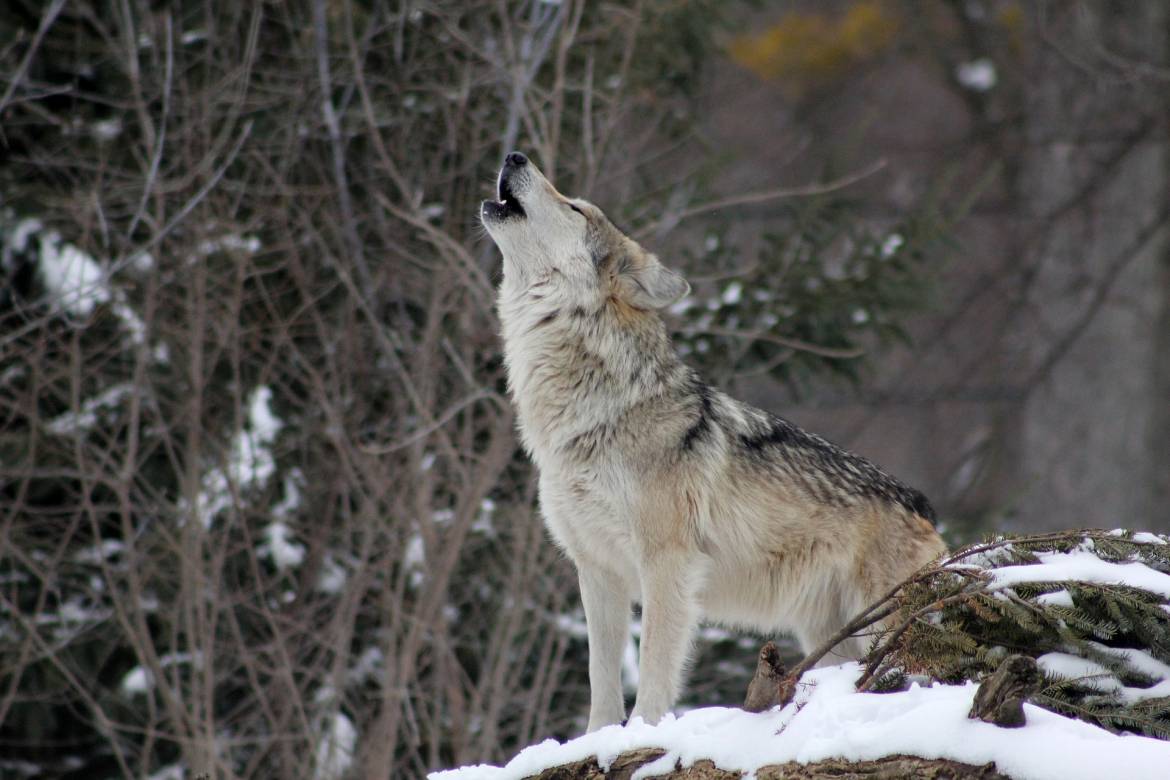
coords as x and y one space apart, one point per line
139 680
335 748
229 243
1145 537
978 75
21 233
891 245
106 129
829 719
733 294
1085 566
102 551
1059 598
483 519
74 280
279 546
368 666
250 462
1073 667
85 418
1094 675
333 577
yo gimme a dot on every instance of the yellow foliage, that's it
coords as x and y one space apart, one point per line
1012 20
803 47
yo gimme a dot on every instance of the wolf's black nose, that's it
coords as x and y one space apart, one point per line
516 160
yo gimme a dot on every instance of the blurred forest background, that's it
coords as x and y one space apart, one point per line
262 510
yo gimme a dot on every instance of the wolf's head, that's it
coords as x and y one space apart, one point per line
543 234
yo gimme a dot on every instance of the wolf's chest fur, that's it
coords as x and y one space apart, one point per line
587 377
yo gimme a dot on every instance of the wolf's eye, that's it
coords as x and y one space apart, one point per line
574 208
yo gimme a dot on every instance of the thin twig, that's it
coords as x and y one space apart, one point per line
762 196
46 22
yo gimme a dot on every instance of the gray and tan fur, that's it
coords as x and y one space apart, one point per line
662 489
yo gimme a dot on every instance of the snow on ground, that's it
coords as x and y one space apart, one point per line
829 719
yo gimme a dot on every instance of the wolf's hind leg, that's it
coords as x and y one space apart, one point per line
670 612
607 617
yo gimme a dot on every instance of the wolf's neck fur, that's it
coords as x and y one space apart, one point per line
578 364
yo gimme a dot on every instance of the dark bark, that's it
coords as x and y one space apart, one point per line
769 685
1001 695
888 768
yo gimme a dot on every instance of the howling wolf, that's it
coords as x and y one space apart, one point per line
662 489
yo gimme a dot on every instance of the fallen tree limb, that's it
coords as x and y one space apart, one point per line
888 768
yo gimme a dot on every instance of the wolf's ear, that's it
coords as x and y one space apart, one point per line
648 284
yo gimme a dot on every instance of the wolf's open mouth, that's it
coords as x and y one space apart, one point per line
508 204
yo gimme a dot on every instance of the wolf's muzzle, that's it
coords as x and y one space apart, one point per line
508 205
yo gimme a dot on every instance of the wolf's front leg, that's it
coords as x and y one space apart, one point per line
607 617
670 584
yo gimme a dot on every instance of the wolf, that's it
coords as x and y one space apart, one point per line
662 489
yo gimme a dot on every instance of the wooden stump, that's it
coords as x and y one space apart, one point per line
1001 695
771 685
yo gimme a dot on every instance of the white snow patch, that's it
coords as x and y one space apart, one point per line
99 552
335 748
142 261
170 772
291 501
977 75
630 671
279 546
1145 537
829 719
85 418
572 625
891 245
368 666
333 577
229 243
75 282
1094 675
1082 565
733 293
250 462
139 680
414 559
1139 660
1058 598
1074 667
106 129
193 36
73 278
22 768
21 232
483 519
